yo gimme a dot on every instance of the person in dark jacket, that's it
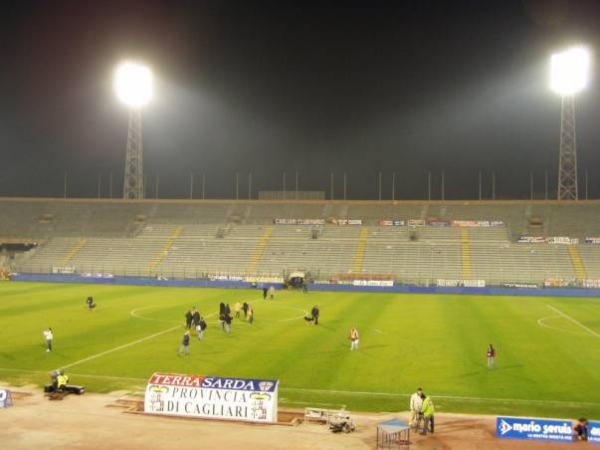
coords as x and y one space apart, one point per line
315 314
184 349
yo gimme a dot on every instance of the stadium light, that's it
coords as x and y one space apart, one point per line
568 76
569 71
133 86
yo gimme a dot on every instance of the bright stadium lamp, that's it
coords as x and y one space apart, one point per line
569 71
133 85
568 76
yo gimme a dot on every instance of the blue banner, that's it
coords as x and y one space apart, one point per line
594 432
534 429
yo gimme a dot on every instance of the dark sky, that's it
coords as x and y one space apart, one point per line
313 88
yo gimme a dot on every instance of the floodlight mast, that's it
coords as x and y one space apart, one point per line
133 187
133 84
569 71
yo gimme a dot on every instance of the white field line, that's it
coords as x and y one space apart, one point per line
134 313
592 332
542 323
121 347
357 393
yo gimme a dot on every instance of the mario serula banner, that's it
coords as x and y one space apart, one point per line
211 397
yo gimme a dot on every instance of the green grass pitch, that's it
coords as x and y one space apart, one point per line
548 361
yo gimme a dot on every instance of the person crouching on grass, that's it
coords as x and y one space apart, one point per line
581 429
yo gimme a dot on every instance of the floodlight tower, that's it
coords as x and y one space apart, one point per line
569 73
133 85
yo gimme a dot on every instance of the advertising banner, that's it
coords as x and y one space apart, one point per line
534 429
299 221
438 223
210 397
346 221
391 223
531 240
5 398
376 283
594 432
460 283
477 223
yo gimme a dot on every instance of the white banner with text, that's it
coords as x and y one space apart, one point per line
210 397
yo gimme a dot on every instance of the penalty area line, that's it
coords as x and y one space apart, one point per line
121 347
592 332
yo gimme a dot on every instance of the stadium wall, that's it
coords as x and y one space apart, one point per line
206 283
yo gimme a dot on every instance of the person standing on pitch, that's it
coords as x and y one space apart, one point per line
415 408
315 314
491 356
354 338
184 349
428 411
250 314
200 328
49 336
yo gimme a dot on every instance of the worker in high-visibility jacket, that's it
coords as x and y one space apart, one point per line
428 411
61 380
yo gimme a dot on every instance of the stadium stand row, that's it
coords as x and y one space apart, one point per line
194 239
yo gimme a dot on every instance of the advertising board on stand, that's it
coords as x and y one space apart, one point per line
594 432
210 397
534 429
543 429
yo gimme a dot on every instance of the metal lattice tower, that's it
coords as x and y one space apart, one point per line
134 167
567 163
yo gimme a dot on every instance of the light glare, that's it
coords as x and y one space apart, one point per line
133 84
569 71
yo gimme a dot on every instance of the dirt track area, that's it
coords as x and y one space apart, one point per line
93 421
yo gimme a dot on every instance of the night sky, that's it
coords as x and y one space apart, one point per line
375 90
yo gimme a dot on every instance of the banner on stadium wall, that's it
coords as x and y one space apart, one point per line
548 240
559 282
391 223
438 223
225 278
299 221
264 279
594 432
531 240
563 240
64 270
346 221
97 275
416 222
377 283
477 223
460 283
208 397
591 283
520 285
534 429
592 240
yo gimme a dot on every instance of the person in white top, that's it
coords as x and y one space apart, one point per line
48 335
354 338
415 408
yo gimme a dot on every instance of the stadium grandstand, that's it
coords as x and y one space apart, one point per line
422 243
